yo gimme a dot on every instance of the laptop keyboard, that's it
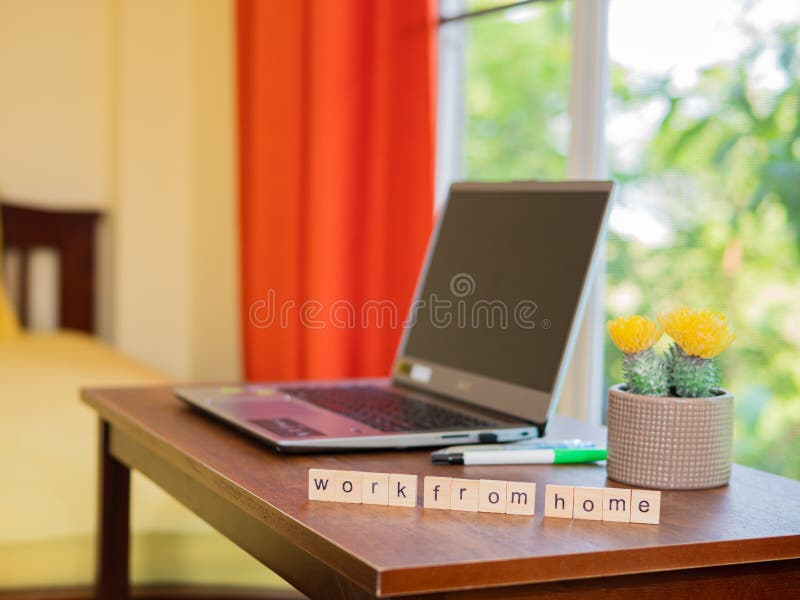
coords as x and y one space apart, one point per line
385 410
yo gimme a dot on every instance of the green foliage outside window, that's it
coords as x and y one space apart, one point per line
718 178
517 90
727 156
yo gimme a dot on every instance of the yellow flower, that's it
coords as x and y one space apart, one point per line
702 333
634 334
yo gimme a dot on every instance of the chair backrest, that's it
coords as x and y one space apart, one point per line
72 235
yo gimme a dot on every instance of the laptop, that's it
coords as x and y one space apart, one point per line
486 344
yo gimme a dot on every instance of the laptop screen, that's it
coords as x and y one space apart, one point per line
504 281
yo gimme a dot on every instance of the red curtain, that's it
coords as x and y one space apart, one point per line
336 126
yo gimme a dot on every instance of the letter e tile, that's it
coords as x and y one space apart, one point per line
646 506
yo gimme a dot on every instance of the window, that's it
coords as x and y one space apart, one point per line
514 101
704 136
702 132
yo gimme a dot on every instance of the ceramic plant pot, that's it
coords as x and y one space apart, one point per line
669 443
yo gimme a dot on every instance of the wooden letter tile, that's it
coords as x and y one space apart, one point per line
645 506
616 505
520 498
322 485
402 490
437 492
588 503
375 488
492 496
348 486
464 495
558 501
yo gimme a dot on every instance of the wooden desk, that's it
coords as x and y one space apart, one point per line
742 540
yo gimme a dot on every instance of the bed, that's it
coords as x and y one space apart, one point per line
48 439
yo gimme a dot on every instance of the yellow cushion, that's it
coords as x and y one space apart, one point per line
48 448
9 327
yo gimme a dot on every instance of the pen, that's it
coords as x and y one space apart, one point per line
522 457
441 455
541 443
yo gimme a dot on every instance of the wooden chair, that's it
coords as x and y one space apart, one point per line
72 235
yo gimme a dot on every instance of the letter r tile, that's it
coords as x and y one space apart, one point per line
464 495
375 488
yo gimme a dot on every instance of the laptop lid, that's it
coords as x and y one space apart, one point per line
501 295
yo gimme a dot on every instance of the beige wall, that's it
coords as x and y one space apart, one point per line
215 268
128 105
55 110
154 211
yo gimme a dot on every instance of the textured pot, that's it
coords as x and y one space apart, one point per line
669 443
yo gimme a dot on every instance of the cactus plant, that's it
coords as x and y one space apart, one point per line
691 376
645 372
700 336
690 367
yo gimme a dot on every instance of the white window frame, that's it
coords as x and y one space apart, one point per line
587 159
450 118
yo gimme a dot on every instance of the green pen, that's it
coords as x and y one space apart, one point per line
537 456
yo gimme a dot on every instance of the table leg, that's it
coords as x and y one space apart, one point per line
113 522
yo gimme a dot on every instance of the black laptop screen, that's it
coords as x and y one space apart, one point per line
504 282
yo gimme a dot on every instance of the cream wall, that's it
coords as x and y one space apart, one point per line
154 225
215 268
176 305
55 109
128 106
